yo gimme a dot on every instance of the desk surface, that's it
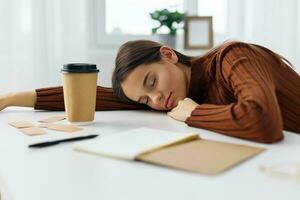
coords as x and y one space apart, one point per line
59 173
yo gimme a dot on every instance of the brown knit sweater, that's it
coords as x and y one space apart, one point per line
242 90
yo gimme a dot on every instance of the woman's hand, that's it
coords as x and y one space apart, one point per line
183 110
3 102
22 99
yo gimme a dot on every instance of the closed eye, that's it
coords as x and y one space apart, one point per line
152 82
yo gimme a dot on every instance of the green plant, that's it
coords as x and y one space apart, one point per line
168 19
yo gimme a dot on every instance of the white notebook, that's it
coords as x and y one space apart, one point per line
132 143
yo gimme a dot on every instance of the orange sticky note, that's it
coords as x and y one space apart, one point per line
53 119
43 125
21 124
63 127
31 131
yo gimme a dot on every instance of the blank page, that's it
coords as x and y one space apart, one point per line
130 144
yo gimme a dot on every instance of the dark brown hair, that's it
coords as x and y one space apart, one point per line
131 55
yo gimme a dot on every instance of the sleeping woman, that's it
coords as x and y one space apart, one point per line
236 89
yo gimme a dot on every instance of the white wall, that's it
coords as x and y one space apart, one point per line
105 62
38 37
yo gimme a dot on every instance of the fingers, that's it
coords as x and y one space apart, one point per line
172 114
175 115
188 100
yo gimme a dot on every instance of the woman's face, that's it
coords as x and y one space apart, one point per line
160 85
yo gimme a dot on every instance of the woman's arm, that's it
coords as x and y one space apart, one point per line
52 99
24 99
256 114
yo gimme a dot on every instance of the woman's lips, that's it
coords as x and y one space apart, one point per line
169 101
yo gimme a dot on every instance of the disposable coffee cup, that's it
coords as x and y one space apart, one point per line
80 90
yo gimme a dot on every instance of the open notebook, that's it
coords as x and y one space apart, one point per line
185 151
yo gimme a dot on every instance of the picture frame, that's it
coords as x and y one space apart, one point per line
198 32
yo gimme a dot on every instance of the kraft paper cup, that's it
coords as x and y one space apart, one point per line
80 90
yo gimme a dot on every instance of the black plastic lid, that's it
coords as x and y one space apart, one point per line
79 68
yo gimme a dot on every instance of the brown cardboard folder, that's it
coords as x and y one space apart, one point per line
201 156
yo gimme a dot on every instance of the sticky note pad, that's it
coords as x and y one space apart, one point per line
31 131
63 127
53 119
21 124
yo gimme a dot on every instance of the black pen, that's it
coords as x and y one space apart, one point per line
54 142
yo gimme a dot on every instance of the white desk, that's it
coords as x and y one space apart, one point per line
59 173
